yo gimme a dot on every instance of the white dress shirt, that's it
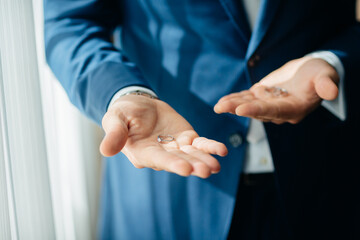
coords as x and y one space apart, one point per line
258 155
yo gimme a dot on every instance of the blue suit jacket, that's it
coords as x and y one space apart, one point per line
191 53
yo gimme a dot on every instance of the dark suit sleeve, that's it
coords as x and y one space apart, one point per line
82 56
343 40
346 46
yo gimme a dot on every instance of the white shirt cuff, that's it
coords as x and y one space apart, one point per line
338 105
126 90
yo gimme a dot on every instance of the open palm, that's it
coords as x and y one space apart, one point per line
307 82
133 125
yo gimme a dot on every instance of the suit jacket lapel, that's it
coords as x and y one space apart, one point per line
236 12
267 13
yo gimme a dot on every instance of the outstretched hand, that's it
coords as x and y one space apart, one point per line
307 82
133 124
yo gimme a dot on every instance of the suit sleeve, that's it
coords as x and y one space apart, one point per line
346 46
80 53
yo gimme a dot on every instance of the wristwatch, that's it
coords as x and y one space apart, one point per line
141 93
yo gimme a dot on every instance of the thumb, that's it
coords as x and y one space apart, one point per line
116 134
326 88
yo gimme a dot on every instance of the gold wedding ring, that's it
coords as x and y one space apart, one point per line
165 138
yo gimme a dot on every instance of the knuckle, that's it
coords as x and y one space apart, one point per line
186 148
182 167
199 141
201 165
294 121
207 174
278 122
214 164
138 165
105 118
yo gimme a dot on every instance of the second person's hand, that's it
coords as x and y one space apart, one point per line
299 86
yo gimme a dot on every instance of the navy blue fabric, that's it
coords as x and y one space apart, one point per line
191 53
258 214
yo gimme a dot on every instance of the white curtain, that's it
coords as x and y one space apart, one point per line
50 166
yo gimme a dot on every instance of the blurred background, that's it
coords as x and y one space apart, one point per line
50 166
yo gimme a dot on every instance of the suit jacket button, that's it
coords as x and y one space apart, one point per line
253 60
236 140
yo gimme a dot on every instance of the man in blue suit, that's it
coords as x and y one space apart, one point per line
286 71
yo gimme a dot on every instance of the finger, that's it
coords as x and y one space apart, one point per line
209 160
278 121
254 109
259 91
326 88
268 110
229 105
186 137
178 162
295 118
116 133
242 94
210 146
200 168
263 119
160 159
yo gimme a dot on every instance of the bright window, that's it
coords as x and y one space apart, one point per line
49 160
